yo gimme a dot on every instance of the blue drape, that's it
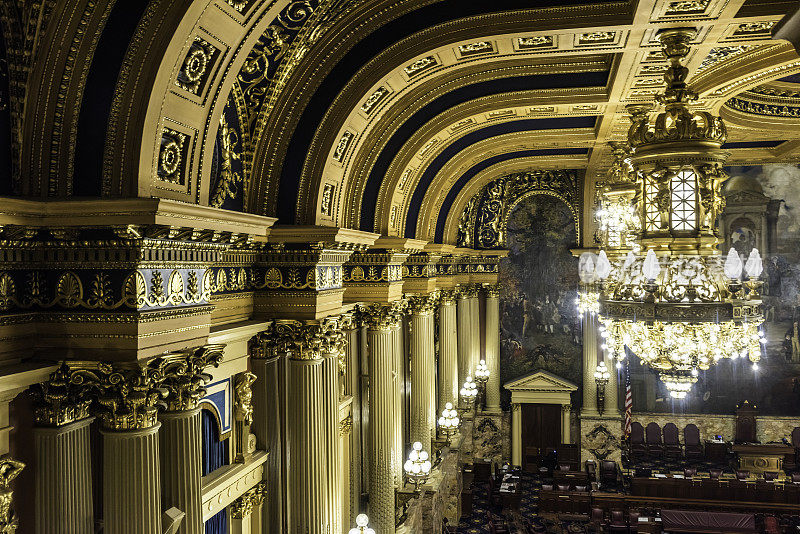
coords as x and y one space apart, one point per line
215 451
215 455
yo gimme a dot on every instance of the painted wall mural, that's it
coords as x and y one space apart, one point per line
539 325
763 210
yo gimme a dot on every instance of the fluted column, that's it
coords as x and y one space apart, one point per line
516 434
448 351
64 479
611 397
246 509
464 336
331 355
131 481
474 330
63 499
493 347
268 410
398 383
423 367
180 437
589 323
381 322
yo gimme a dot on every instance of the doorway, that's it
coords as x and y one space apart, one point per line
541 426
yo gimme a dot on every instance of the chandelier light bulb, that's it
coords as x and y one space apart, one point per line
361 525
362 520
586 268
630 258
651 268
733 265
754 266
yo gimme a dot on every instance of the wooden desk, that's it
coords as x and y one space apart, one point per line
716 451
759 458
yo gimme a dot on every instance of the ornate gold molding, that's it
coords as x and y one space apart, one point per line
244 505
9 470
184 375
57 402
346 425
243 413
447 297
423 304
381 316
492 290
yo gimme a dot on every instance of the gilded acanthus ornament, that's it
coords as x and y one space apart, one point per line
184 376
244 505
309 340
422 304
9 470
447 296
126 394
492 290
58 402
381 316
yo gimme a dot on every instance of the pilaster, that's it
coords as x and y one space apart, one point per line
493 347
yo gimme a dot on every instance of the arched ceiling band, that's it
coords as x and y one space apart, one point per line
458 96
467 140
366 50
464 179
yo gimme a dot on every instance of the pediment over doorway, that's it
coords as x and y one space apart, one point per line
540 387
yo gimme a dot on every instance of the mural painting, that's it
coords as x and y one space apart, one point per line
539 325
763 211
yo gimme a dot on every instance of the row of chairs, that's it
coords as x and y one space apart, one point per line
648 441
615 522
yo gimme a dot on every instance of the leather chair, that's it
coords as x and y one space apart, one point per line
771 525
770 476
581 488
690 472
672 446
547 487
742 475
714 473
608 472
617 525
591 470
693 448
562 467
636 441
652 433
563 487
597 520
795 478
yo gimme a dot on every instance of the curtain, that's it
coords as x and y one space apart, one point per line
215 455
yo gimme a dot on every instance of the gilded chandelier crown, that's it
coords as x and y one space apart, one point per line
676 124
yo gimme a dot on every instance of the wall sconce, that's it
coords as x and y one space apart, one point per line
418 466
601 378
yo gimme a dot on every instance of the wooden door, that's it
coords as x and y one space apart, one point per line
541 426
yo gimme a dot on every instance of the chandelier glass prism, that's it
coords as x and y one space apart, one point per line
663 289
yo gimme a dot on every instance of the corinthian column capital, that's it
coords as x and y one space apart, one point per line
184 376
447 296
309 340
467 291
58 402
126 394
244 505
492 290
382 316
422 304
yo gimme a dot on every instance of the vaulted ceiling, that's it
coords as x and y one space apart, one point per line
385 116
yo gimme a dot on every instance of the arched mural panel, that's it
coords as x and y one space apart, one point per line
539 327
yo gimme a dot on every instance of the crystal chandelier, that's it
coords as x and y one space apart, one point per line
660 283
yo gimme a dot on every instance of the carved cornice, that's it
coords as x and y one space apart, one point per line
184 376
244 505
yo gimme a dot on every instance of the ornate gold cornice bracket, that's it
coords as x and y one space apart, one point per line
242 507
185 377
9 470
243 415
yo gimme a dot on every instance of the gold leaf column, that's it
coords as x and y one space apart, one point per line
448 350
423 370
180 437
63 457
493 347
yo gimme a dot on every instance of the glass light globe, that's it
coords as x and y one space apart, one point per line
423 455
586 267
408 466
448 406
651 268
362 520
603 267
754 267
733 265
417 446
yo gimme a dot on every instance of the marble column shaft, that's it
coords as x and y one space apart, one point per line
398 384
474 330
64 502
590 337
422 377
131 481
381 346
493 350
448 354
308 498
267 426
464 340
181 449
330 406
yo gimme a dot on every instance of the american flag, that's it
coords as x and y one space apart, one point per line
628 398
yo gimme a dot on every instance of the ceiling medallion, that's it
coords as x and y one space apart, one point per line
665 293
